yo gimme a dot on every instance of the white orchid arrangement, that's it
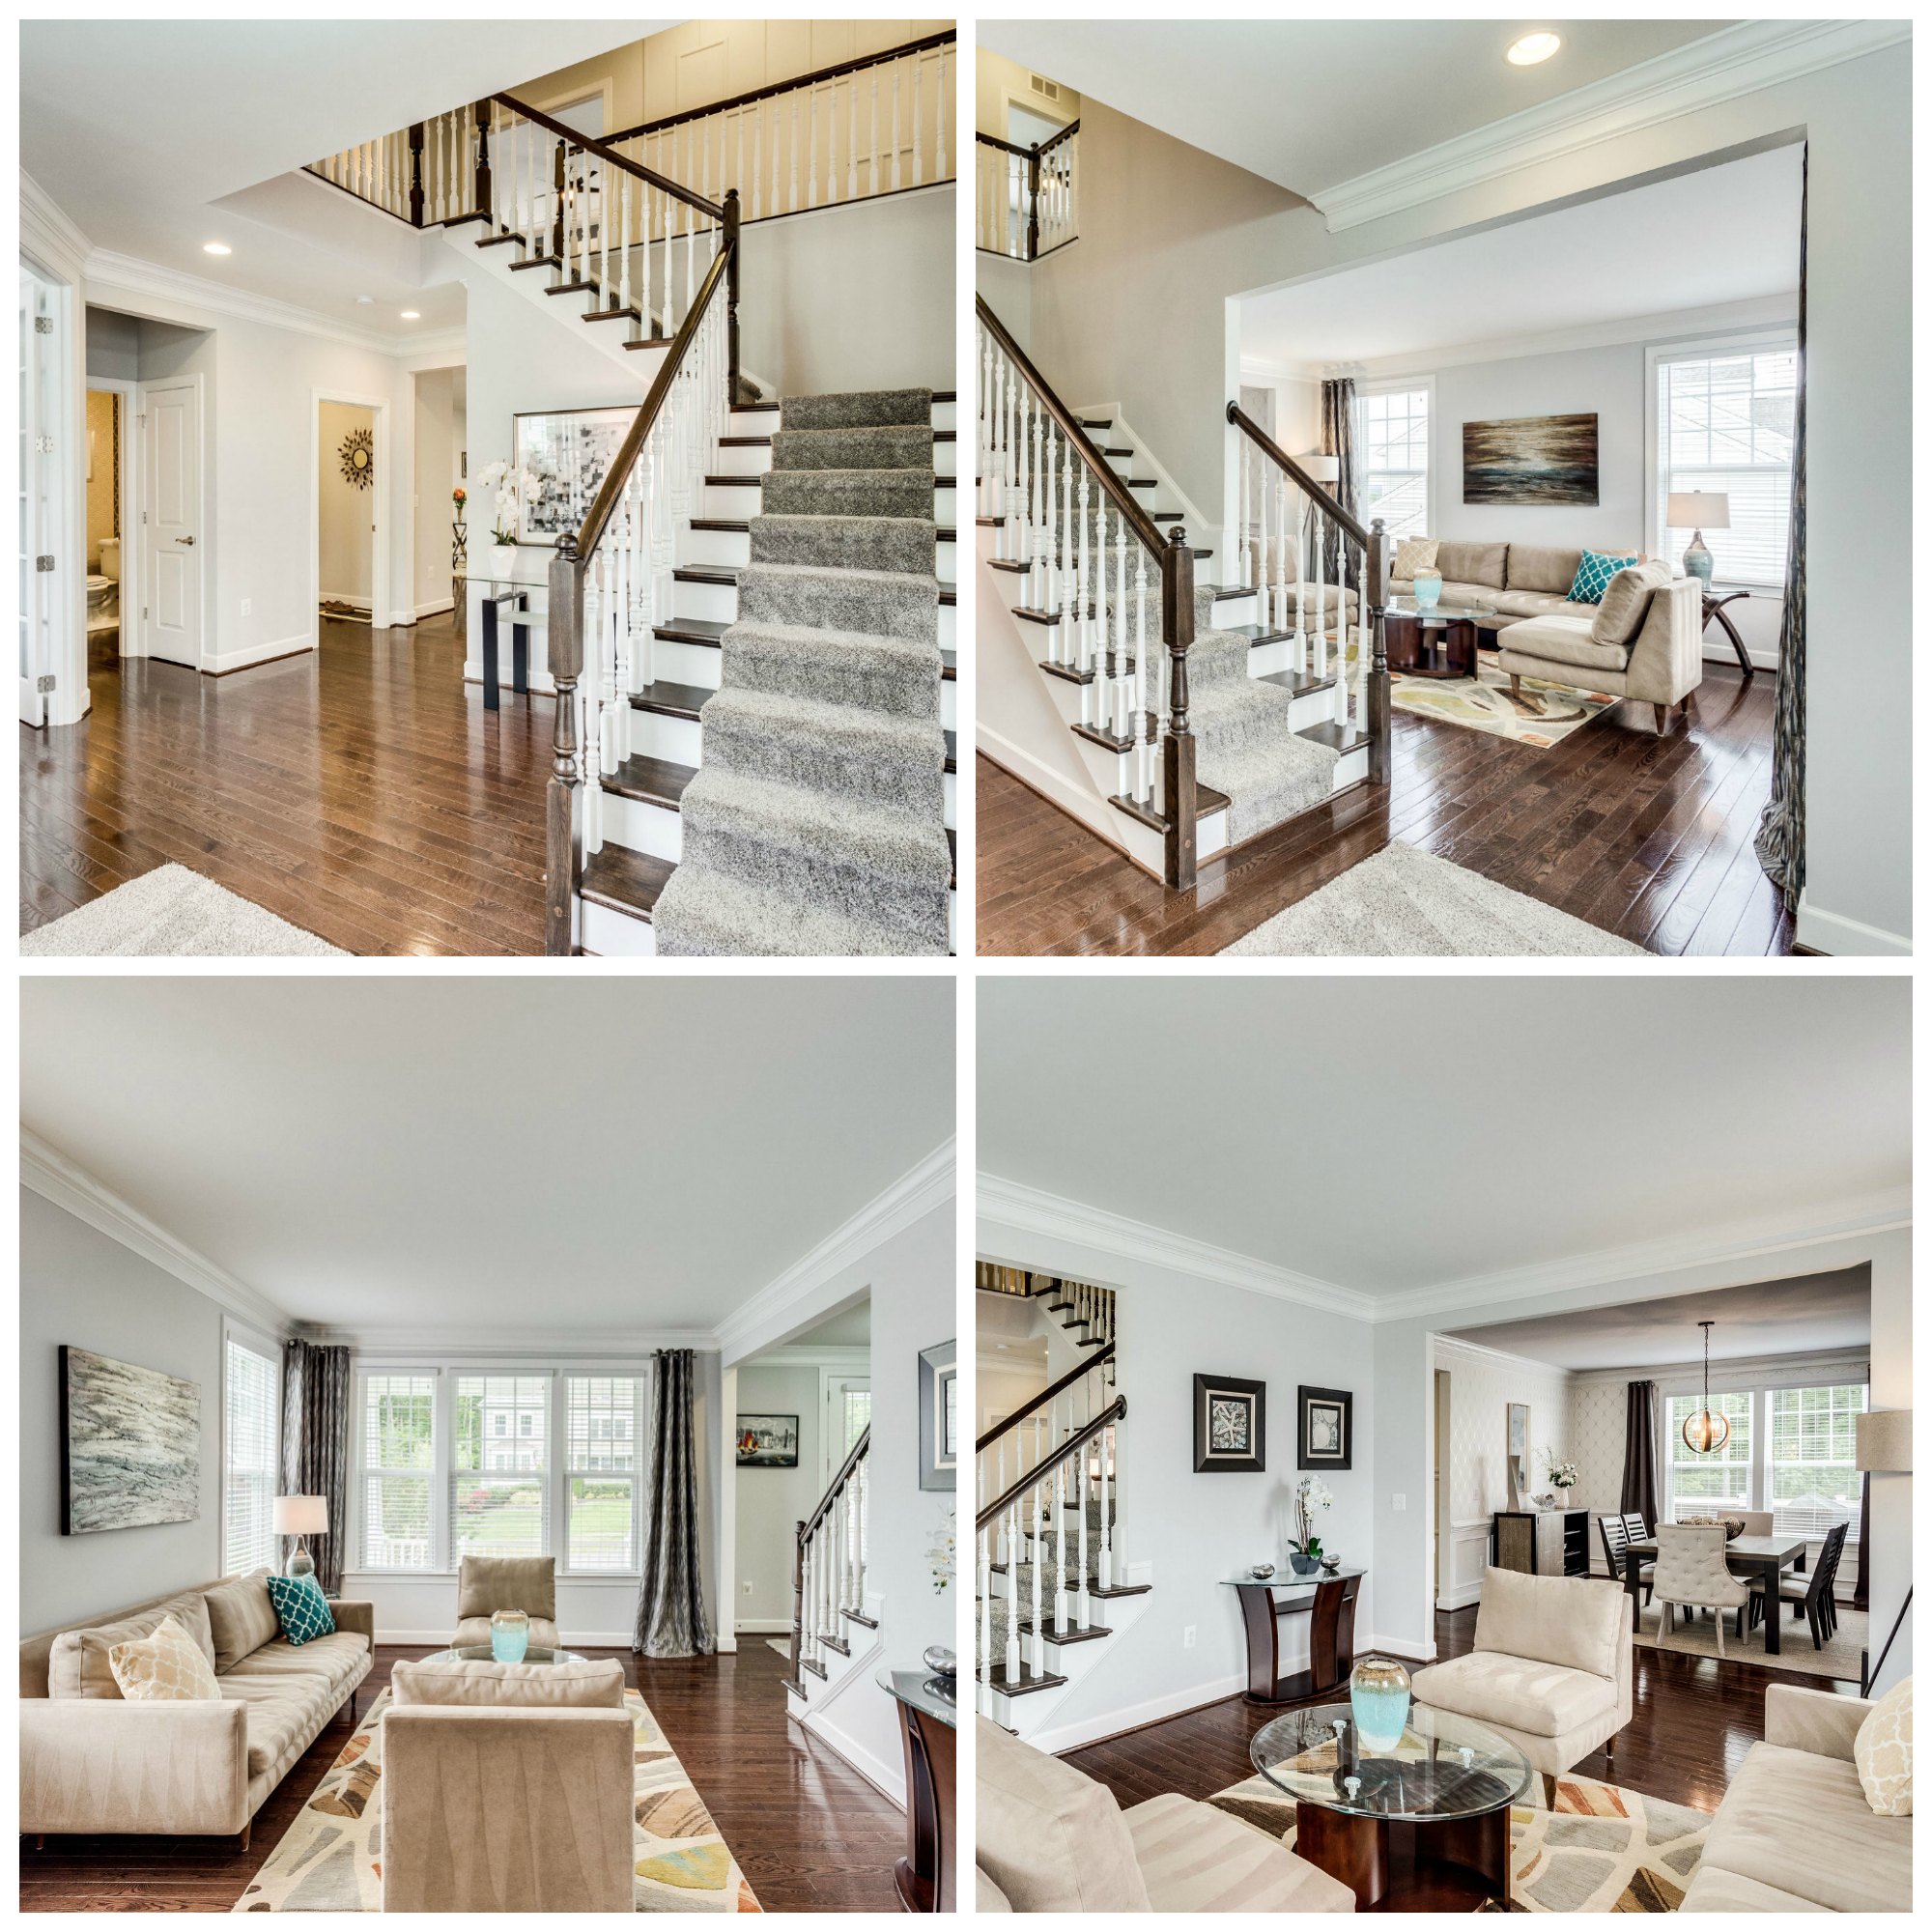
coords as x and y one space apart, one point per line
514 488
1562 1473
1311 1494
941 1552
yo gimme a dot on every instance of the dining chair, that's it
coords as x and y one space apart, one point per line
1692 1572
1635 1526
1814 1592
1616 1537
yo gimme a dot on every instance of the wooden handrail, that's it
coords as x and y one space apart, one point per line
779 87
994 141
837 1483
1273 450
1116 492
1114 1411
1054 140
584 144
1045 1395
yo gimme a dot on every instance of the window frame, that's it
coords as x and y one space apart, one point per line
1391 386
238 1334
640 1448
362 1469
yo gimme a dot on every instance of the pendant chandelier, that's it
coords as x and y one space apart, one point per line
1707 1431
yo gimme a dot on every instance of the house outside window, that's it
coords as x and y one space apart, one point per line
1393 427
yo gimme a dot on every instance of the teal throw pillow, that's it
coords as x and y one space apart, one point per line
1593 576
301 1607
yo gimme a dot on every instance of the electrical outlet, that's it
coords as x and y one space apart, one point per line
248 607
1398 1502
748 1589
1187 1637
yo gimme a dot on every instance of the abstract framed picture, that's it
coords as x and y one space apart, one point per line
130 1445
1530 460
767 1442
569 451
938 1415
1516 1452
1324 1435
1229 1425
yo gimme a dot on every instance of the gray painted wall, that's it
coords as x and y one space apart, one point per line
77 1286
773 1502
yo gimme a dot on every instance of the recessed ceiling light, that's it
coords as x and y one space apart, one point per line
1533 47
217 248
365 299
413 315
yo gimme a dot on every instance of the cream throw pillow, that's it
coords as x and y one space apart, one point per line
1414 553
1882 1753
165 1666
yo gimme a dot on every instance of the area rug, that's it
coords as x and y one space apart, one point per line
1403 902
1838 1659
330 1858
1539 715
1602 1849
172 912
782 1645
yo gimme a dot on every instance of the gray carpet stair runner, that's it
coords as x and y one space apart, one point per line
1050 1574
816 823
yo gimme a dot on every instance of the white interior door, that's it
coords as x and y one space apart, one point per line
171 480
36 482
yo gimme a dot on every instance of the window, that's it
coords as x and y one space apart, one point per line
1724 423
1814 1478
398 1462
600 1464
499 1498
250 1433
1394 426
1716 1483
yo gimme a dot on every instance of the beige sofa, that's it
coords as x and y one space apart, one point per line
1052 1839
1550 1670
1793 1832
1517 580
92 1761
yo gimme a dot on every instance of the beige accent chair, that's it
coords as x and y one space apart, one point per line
1692 1573
1661 667
1052 1839
507 1788
487 1584
93 1761
1795 1833
1550 1670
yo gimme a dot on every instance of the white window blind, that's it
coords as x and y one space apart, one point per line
1814 1477
1713 1483
601 1430
498 1494
1394 459
251 1457
398 1462
1724 423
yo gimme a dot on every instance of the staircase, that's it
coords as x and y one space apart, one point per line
1050 1558
835 1621
1270 677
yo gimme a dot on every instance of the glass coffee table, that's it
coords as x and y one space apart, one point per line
1449 1781
1433 639
481 1653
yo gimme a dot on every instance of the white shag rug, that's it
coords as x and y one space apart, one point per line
1403 902
172 912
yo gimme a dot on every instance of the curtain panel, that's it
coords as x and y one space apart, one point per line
671 1621
1338 440
315 1448
1640 1492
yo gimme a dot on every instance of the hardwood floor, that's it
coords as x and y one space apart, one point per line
1647 837
809 1833
360 791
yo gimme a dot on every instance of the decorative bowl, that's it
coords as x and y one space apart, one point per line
940 1662
1261 1571
1331 1564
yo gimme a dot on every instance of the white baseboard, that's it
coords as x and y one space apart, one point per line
1720 652
250 654
431 610
1835 933
1459 1596
886 1780
541 684
353 603
1131 1716
1398 1646
764 1626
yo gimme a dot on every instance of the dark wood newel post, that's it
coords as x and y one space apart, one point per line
566 666
797 1600
415 174
732 262
1176 629
1033 203
484 204
558 168
1375 716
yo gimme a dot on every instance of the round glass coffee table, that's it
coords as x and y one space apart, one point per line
481 1653
1433 639
1449 1780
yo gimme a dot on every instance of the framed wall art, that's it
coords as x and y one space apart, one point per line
1324 1435
1229 1424
568 451
1530 460
938 1415
130 1445
767 1442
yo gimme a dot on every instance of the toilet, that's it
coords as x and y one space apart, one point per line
103 600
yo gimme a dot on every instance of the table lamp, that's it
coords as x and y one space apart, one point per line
1322 470
1698 511
300 1516
1883 1447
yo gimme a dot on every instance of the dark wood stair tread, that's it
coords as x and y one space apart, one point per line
625 881
653 780
652 341
622 314
859 1617
1342 738
744 442
498 241
708 630
1025 1628
571 288
1024 1683
707 573
536 262
671 701
1297 683
1206 800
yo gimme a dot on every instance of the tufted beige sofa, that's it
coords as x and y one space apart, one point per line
92 1761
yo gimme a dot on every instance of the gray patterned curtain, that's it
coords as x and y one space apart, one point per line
670 1606
315 1447
1780 832
1641 1451
1338 438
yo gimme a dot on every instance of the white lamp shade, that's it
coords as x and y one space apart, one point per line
1698 510
302 1516
1885 1442
1322 469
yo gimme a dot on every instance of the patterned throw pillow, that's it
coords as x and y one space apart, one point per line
1593 576
1882 1753
1412 555
301 1608
166 1665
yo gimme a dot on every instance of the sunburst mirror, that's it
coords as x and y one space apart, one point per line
359 457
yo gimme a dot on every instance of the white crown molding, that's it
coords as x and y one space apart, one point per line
928 1184
1455 1349
1033 1211
69 1185
49 235
1263 369
849 1359
452 1342
1796 1365
108 273
1734 61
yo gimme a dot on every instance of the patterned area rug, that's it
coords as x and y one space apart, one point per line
330 1858
1602 1848
1697 1637
1541 715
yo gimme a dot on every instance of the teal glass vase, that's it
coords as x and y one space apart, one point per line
509 1637
1379 1697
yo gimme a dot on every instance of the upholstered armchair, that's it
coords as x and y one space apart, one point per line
1691 1571
1659 662
487 1584
1551 1668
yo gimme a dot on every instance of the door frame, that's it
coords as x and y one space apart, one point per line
204 631
58 618
830 1374
381 617
132 544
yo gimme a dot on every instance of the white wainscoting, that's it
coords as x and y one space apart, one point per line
1468 1558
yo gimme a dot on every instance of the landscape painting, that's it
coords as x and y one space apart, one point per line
130 1445
1530 460
767 1442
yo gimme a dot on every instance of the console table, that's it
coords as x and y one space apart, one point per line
1548 1543
518 602
928 1721
1328 1603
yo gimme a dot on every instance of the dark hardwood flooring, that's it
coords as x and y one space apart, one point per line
1647 837
809 1833
1692 1721
360 791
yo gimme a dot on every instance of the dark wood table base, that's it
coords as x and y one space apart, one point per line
924 1878
1435 650
1444 1866
1331 1637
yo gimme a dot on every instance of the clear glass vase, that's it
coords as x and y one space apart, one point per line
1379 1697
509 1636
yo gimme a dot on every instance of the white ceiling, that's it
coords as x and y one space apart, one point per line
1310 103
155 136
1391 1135
470 1154
1810 1315
1725 233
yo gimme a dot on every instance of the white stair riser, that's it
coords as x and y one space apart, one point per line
733 547
741 502
680 740
614 935
643 827
679 663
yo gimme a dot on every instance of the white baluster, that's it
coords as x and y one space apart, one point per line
1320 598
896 126
852 138
1036 561
1084 1610
1138 710
1013 1594
1122 693
985 1607
1063 645
918 137
1039 1559
942 155
811 147
1058 1544
1106 1525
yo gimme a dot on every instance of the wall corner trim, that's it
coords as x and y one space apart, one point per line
48 233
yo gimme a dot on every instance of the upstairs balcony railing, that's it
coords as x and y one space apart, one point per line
1026 199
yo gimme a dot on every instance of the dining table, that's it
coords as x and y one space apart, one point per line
1762 1557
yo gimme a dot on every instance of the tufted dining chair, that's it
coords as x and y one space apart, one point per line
1691 1571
